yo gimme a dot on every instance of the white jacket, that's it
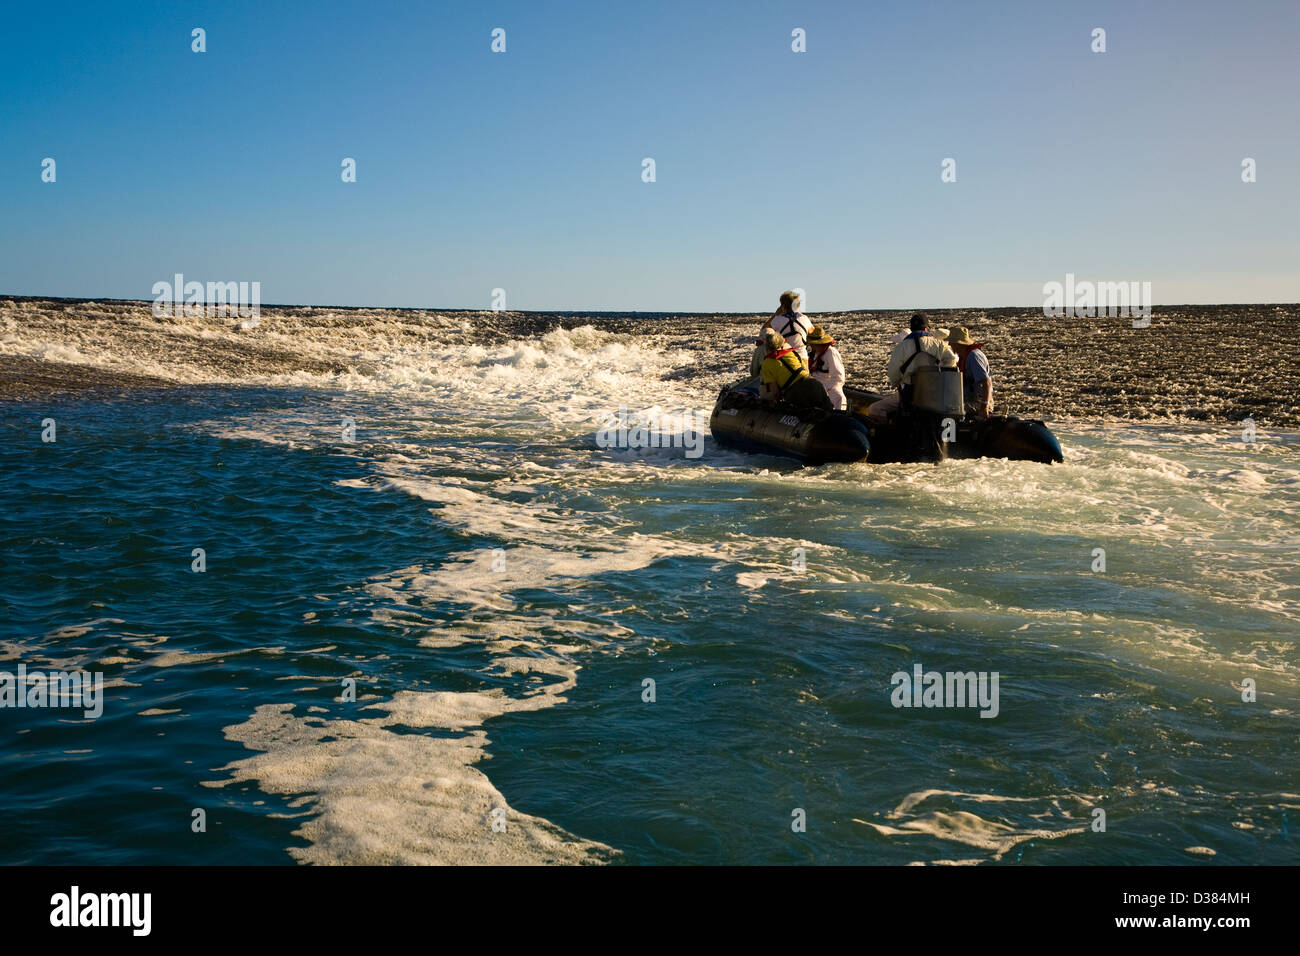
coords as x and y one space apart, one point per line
933 352
794 328
828 368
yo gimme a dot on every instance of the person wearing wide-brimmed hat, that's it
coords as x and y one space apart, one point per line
785 377
977 383
826 366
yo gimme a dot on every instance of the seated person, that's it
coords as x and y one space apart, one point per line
977 383
826 366
786 378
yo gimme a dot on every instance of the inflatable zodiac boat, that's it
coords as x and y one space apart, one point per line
934 428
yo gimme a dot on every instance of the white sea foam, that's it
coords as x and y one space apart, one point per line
484 433
979 830
375 797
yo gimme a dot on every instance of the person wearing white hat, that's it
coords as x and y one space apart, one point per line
791 323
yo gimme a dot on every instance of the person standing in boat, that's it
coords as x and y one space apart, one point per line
977 383
791 323
919 350
826 366
786 378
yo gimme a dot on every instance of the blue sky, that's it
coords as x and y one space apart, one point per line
775 169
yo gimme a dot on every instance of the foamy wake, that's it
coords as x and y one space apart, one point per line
369 792
375 796
372 793
951 816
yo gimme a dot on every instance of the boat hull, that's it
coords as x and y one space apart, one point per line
924 436
742 420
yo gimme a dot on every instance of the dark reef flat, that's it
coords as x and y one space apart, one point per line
23 378
1217 363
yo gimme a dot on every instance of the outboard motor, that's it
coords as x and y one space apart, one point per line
934 395
918 432
938 390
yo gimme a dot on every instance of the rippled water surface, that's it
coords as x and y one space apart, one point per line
500 590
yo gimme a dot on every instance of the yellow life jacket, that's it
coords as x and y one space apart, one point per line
783 368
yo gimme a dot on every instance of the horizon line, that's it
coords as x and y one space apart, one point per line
575 311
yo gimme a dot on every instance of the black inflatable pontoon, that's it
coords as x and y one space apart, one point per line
741 419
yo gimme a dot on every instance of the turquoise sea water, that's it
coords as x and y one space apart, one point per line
500 589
